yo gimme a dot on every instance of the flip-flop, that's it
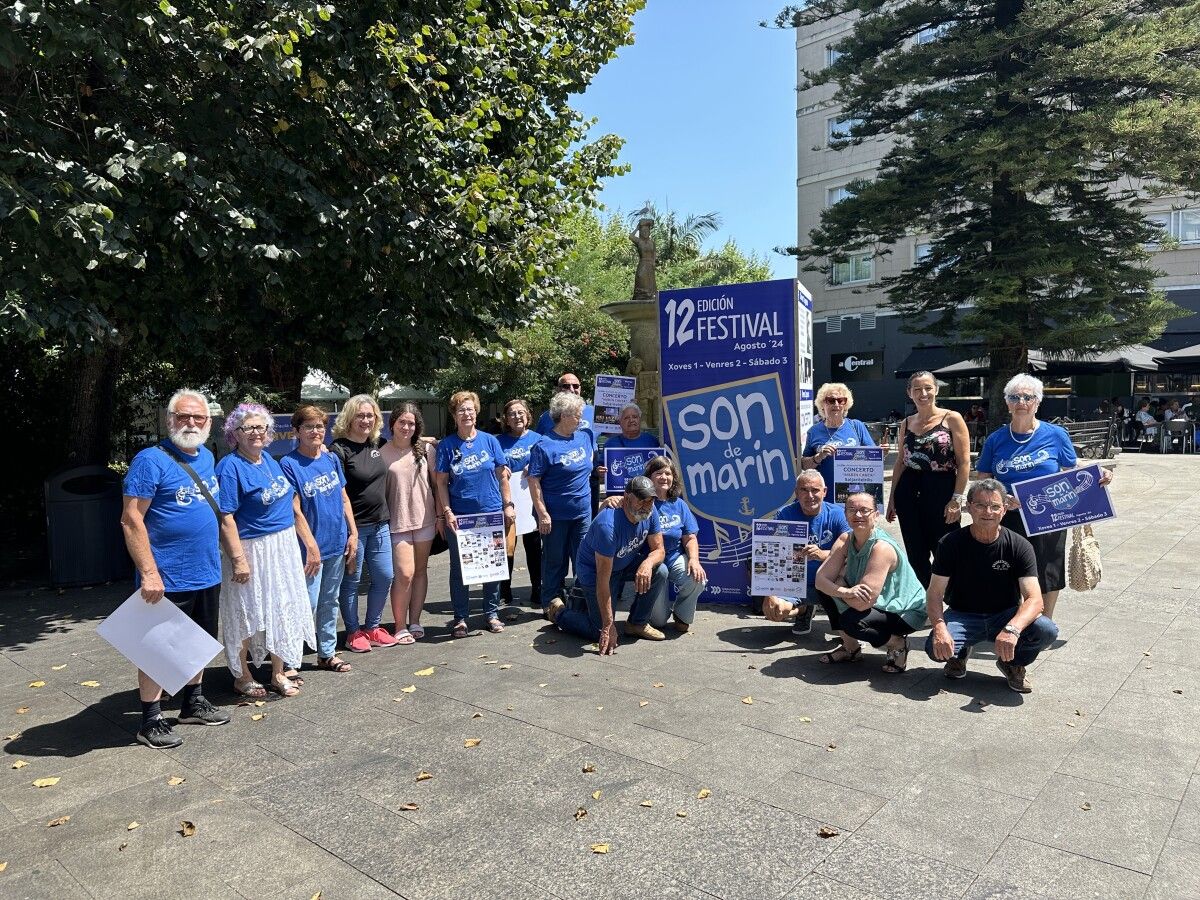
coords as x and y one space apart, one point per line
404 636
295 679
460 629
417 630
333 664
251 689
495 626
850 655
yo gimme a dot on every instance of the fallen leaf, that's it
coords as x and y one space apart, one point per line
46 782
316 896
704 794
482 656
187 829
646 803
472 742
643 703
260 702
1070 724
751 666
1085 806
423 776
257 716
600 848
490 662
477 716
3 866
410 807
176 780
1079 712
61 820
21 710
423 672
89 684
1145 653
599 709
804 719
749 701
580 813
12 737
681 814
124 844
408 690
831 747
658 684
20 764
37 684
509 708
588 768
59 668
543 684
506 666
133 825
596 795
1177 691
827 831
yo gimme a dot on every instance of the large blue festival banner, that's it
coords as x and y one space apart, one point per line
1063 500
623 463
729 393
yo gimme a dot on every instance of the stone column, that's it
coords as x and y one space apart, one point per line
641 318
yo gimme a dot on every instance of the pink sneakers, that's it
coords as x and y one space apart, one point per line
358 642
379 637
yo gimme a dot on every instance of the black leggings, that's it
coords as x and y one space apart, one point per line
873 625
920 500
532 542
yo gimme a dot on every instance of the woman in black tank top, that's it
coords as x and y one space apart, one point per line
930 476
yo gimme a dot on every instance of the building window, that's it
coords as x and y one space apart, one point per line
1183 225
857 269
922 250
836 194
839 129
831 55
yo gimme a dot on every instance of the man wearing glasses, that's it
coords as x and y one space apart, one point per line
985 588
568 383
172 534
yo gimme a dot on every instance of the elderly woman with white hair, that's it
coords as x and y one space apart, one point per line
834 430
1028 448
631 434
265 609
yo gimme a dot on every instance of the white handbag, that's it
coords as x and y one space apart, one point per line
1083 563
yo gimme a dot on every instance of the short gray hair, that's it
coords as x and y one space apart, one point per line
629 406
186 392
641 487
986 486
810 475
565 403
1025 381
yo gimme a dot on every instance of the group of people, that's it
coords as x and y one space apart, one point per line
299 533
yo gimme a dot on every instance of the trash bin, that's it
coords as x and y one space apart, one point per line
83 527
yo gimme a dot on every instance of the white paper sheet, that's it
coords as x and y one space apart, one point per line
518 487
160 639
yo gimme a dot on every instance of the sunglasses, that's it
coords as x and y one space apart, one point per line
1020 398
840 401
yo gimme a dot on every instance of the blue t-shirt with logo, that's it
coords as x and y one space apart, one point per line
518 449
851 433
472 466
259 496
183 529
545 424
564 465
823 529
618 441
319 482
612 534
1046 451
675 519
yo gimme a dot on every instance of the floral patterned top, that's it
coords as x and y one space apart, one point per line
932 451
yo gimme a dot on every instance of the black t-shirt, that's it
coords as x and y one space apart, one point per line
366 479
983 577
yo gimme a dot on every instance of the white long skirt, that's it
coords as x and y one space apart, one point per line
272 609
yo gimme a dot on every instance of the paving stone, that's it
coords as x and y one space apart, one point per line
892 873
820 887
1177 874
41 879
1172 717
1187 822
1022 869
1136 762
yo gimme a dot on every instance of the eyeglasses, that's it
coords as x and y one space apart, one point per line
515 414
464 411
252 429
194 418
1020 398
365 417
569 386
840 401
313 426
860 512
989 507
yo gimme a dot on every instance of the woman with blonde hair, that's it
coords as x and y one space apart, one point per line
834 430
357 443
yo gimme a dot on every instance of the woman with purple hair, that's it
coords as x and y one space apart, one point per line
264 598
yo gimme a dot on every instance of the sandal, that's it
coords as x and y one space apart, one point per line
495 626
404 636
897 660
333 664
417 630
832 657
460 629
251 689
294 678
286 689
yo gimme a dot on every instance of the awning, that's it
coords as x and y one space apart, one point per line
1185 358
1135 358
928 359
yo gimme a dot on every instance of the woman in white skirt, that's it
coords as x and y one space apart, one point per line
264 597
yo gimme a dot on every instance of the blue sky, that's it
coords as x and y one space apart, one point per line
705 100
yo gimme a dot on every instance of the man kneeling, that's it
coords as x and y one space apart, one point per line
605 561
987 577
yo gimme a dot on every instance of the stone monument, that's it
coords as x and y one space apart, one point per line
640 315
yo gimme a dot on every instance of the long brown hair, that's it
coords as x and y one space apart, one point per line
418 445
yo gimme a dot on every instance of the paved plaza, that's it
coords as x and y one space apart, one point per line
711 765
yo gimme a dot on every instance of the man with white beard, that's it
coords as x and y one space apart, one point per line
171 530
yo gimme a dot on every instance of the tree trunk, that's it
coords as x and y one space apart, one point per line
1005 363
283 369
91 390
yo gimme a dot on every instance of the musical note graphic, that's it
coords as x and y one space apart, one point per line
733 551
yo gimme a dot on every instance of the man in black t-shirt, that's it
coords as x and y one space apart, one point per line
985 588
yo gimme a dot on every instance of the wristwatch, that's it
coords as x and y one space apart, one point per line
960 499
508 504
1013 630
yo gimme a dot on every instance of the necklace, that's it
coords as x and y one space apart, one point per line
1028 439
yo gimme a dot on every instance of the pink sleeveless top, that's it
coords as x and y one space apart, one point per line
409 491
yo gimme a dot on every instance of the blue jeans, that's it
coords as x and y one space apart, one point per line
968 629
687 592
558 551
582 615
460 596
375 553
323 595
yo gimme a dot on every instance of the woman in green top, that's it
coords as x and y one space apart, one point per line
879 598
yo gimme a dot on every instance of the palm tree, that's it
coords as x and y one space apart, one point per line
677 238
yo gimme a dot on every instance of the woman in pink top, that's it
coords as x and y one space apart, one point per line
409 459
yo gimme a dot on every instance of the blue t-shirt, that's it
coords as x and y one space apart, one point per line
518 449
612 534
618 441
545 425
259 496
823 529
183 529
564 465
675 519
852 433
472 466
319 482
1046 451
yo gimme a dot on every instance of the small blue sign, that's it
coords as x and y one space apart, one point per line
1063 500
470 521
623 463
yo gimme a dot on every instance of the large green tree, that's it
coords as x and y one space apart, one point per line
1021 132
251 189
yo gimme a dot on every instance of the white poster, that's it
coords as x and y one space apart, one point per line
804 366
518 488
160 639
778 564
612 393
481 547
858 469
